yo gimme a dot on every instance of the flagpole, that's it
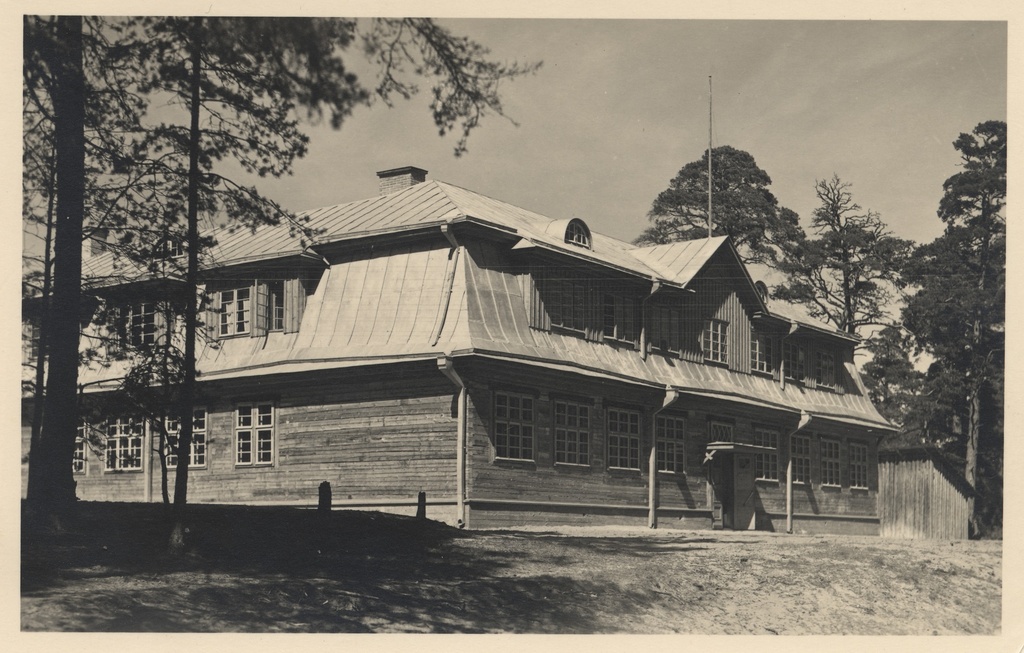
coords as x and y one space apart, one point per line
711 222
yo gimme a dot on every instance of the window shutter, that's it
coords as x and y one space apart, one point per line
115 331
160 310
213 315
294 304
261 314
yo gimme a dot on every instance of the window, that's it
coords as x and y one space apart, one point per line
197 452
254 435
793 361
78 455
713 341
670 434
619 313
858 465
720 432
665 324
800 456
142 324
624 439
760 353
577 233
829 462
513 426
235 311
124 444
572 433
567 302
170 249
34 333
766 463
824 369
275 305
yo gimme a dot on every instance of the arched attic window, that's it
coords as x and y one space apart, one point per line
577 233
762 290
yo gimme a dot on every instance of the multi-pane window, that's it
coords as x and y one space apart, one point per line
720 432
670 433
254 434
235 308
824 368
572 433
713 341
829 462
800 456
793 361
766 463
275 305
666 326
513 426
619 317
623 439
577 234
78 455
142 328
124 443
760 352
567 302
858 465
171 249
197 452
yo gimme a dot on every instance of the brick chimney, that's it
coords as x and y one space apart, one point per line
396 179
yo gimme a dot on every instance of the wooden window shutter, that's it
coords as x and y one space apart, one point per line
261 312
212 300
115 331
160 310
294 304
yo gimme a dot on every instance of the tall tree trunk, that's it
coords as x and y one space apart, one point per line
51 487
187 403
44 317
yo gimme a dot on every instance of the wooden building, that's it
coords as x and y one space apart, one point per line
922 496
517 369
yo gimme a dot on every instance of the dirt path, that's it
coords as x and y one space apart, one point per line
273 571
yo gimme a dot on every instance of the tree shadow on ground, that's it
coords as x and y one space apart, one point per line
284 569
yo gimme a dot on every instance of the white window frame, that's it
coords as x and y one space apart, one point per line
275 305
766 463
618 317
572 433
125 437
830 470
141 324
794 358
714 341
858 465
254 434
623 439
761 346
577 234
197 451
825 369
79 459
670 440
800 458
236 312
514 436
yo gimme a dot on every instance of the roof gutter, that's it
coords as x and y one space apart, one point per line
447 367
671 396
805 419
449 282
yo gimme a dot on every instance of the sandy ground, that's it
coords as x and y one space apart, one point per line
273 570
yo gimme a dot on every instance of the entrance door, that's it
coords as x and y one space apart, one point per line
743 493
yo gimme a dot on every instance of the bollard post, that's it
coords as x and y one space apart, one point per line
421 506
324 505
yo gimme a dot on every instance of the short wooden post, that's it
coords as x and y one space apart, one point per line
324 505
421 506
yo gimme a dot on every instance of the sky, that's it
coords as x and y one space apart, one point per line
619 106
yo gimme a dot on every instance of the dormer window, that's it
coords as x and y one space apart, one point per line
577 233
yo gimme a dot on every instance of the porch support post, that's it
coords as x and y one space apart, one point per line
652 464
